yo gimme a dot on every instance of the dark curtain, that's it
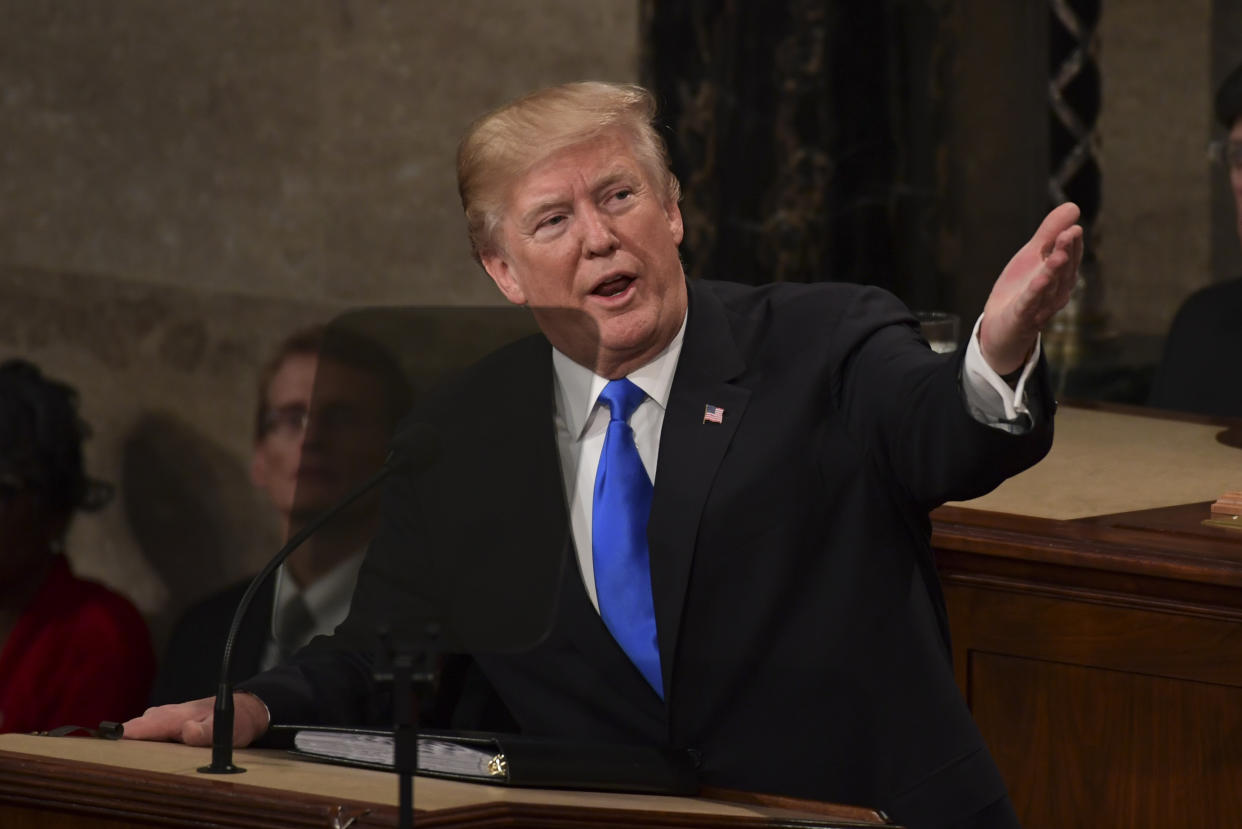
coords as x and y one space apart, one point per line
804 135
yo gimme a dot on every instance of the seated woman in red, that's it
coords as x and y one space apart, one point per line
72 652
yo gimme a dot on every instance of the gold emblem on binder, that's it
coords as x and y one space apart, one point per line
498 767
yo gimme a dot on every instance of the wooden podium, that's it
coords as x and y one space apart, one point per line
1097 624
49 783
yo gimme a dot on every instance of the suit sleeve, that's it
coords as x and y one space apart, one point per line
905 405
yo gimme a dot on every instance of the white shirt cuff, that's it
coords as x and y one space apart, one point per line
989 398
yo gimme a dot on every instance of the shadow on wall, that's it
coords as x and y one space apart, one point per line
193 512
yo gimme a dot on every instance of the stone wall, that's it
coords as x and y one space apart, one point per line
183 183
1160 197
1155 124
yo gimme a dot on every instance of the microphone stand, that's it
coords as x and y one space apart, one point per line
411 672
222 729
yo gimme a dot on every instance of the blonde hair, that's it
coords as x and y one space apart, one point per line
502 145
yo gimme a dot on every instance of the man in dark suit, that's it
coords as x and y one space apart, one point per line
1206 334
770 602
328 401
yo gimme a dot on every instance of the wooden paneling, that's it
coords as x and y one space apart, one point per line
1102 659
1085 746
19 818
1160 639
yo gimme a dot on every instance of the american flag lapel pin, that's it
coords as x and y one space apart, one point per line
713 414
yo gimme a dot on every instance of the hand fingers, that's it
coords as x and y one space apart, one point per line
1028 295
1029 300
1060 219
147 727
1062 262
1049 288
168 722
1037 308
197 732
1070 241
1069 280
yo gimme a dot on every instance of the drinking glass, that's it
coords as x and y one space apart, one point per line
939 329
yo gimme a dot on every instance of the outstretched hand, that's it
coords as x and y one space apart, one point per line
191 722
1033 286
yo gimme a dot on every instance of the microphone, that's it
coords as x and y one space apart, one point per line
415 446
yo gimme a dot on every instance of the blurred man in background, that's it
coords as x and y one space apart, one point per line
1206 335
328 403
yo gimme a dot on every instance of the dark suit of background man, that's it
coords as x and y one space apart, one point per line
1195 373
796 435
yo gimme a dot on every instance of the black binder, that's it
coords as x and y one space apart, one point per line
510 759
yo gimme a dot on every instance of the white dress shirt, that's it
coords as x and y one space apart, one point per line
327 600
581 423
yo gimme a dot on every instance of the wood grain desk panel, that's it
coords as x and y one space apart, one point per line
1105 462
1102 654
48 782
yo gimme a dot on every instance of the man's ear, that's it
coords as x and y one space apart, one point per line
502 274
673 212
259 471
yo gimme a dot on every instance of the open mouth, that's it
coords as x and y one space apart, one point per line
613 287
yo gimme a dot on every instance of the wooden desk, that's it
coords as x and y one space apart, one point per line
50 783
1097 625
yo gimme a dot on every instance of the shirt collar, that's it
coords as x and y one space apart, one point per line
328 594
578 388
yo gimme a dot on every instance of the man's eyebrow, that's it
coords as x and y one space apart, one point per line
556 201
545 204
614 176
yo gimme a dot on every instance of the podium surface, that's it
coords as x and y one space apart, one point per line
1097 623
62 782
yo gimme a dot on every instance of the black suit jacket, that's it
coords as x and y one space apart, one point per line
190 668
1195 372
802 630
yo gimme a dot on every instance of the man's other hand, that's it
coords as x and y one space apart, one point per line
1034 285
190 722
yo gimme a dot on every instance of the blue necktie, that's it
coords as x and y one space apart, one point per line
619 515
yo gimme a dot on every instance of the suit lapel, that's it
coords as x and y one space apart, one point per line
536 483
501 576
691 449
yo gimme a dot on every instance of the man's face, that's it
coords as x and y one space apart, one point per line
1235 175
327 431
589 242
